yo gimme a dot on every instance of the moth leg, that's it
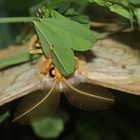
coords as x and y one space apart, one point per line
38 51
44 66
33 43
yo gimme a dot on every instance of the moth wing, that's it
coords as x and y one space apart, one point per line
88 97
17 81
37 105
115 66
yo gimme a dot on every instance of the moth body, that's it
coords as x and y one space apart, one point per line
45 95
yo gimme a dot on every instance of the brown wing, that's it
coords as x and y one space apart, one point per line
17 81
88 97
115 65
37 104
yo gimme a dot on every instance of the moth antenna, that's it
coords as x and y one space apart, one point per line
88 97
37 105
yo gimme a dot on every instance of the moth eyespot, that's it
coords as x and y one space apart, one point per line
52 72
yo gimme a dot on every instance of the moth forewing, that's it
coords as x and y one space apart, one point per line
17 82
88 97
38 104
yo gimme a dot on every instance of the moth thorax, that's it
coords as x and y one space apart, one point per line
61 86
58 75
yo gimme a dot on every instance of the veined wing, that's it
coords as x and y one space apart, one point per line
17 81
37 104
115 65
88 97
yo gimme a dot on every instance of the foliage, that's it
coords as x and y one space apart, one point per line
126 8
54 38
77 37
49 127
16 59
52 126
72 36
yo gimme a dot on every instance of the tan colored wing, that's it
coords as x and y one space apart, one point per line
37 105
17 81
88 97
114 65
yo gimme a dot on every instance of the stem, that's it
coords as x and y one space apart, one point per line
17 19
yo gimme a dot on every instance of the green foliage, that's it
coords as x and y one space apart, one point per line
117 8
50 127
137 13
16 59
135 2
126 8
61 35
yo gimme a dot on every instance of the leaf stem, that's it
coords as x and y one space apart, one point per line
17 19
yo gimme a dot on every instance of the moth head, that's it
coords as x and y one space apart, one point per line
54 73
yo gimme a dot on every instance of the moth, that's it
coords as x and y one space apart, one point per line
44 96
114 66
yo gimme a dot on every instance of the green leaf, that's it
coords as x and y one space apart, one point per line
116 8
83 19
44 41
56 3
59 51
50 127
137 13
49 13
123 8
135 2
64 60
16 59
61 36
120 10
101 2
72 32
